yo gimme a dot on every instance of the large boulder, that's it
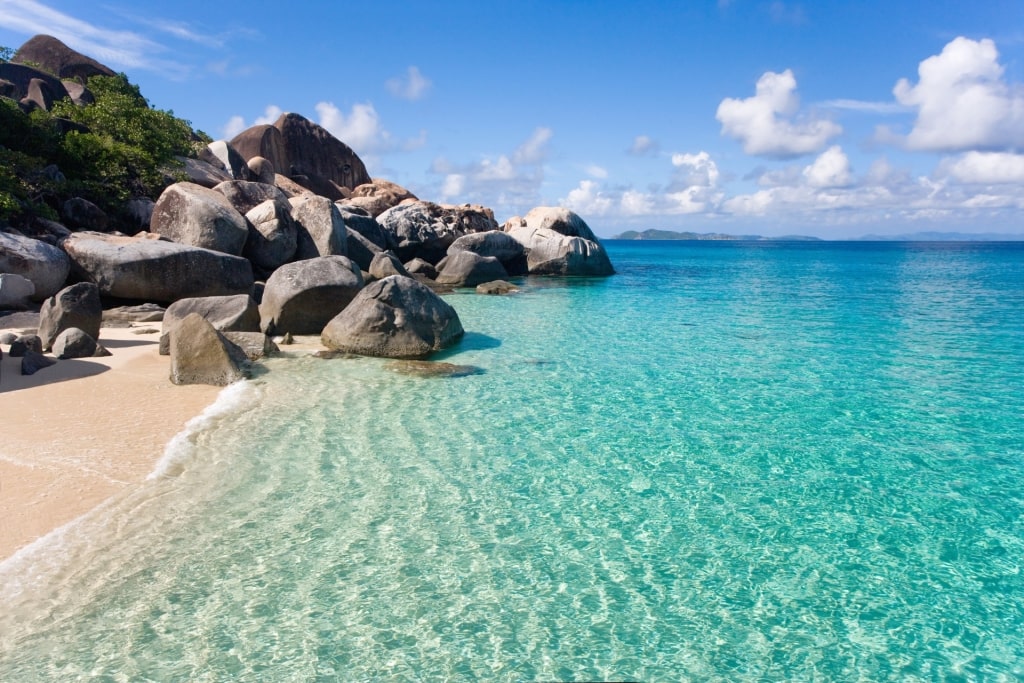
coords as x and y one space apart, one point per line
190 214
386 264
272 235
396 317
468 269
552 253
203 173
361 250
426 230
46 266
155 270
76 343
378 196
15 291
264 141
494 243
561 220
232 313
320 226
302 297
246 195
316 155
81 214
75 306
37 85
56 58
201 355
226 158
367 227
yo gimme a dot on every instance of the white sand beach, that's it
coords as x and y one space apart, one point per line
80 431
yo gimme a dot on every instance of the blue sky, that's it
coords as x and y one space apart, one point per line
833 119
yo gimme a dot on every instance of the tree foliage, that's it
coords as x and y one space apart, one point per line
109 151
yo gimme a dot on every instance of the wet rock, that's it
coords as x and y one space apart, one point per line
426 368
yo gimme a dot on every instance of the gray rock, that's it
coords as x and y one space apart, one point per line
420 267
378 196
361 250
8 338
26 343
561 220
396 317
155 270
225 157
320 225
201 355
32 362
273 236
494 243
21 77
78 93
15 291
246 196
432 368
45 265
140 213
468 269
142 313
232 313
203 173
81 214
76 306
385 264
426 230
302 297
190 214
261 170
367 227
551 253
74 343
255 345
496 287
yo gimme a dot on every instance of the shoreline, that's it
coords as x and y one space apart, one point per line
81 431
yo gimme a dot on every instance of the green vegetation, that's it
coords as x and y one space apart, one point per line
112 150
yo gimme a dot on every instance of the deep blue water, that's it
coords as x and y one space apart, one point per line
731 461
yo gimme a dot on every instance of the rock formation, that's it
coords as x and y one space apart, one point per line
201 355
190 214
75 306
302 297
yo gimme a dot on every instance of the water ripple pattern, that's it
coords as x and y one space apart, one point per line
731 462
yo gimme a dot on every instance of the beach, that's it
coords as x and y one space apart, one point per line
83 430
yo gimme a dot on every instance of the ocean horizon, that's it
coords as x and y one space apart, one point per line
731 461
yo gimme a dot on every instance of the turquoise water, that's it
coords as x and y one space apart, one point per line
730 462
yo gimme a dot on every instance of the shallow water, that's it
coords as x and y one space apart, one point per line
756 461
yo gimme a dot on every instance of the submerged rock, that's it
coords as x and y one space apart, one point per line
427 368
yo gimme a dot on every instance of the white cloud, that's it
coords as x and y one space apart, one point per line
360 129
986 168
595 171
234 126
866 106
587 200
643 145
535 149
962 101
454 186
697 169
830 169
767 124
636 203
412 86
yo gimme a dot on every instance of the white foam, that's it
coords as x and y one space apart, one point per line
231 400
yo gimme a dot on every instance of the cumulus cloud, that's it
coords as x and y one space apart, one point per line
962 100
831 169
236 124
642 146
987 168
768 125
360 129
412 86
588 199
696 169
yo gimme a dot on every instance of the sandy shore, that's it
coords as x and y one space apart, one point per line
78 432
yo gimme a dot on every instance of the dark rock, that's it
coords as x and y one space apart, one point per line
225 157
261 170
155 270
42 94
74 343
142 313
20 76
233 313
32 362
468 269
201 355
320 225
8 338
273 236
262 141
302 297
367 227
396 317
140 213
48 227
361 250
202 173
420 267
385 264
426 230
45 265
57 58
101 351
76 306
255 345
311 151
427 368
494 243
78 93
81 214
26 343
497 287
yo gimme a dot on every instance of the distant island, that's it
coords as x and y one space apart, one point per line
673 235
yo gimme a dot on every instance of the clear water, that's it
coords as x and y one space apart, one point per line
729 462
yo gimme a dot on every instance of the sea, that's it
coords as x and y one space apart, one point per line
731 461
